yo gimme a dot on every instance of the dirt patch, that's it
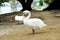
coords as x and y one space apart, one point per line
23 32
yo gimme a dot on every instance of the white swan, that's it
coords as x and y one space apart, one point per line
33 22
19 18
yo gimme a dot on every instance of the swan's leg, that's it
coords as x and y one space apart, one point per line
33 31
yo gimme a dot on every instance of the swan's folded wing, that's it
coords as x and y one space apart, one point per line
35 22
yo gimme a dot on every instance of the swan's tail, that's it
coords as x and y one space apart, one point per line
45 25
41 26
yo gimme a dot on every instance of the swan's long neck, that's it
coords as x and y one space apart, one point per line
27 17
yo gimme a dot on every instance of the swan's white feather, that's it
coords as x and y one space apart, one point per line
33 22
19 18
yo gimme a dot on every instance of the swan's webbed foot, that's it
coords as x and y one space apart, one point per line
33 31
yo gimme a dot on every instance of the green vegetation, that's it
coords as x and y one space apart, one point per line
46 1
41 2
2 1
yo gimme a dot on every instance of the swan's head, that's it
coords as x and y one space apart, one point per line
26 12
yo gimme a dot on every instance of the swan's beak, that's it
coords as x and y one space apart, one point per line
24 13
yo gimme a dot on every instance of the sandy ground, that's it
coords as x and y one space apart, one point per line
11 31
